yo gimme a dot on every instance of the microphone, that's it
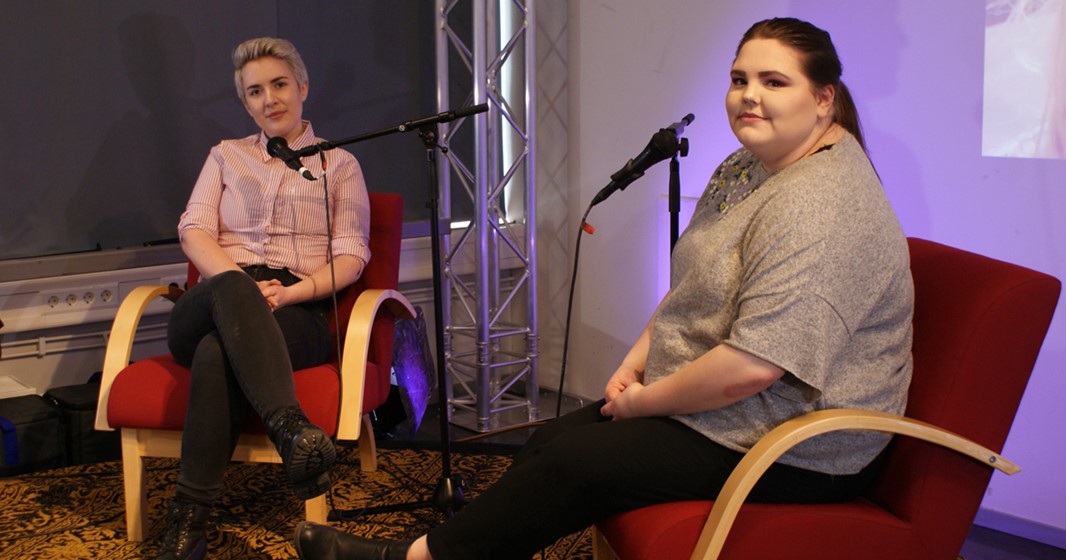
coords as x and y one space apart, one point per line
663 145
679 127
279 148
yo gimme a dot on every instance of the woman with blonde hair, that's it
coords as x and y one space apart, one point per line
259 239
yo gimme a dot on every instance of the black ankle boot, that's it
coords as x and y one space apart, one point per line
306 451
322 542
186 534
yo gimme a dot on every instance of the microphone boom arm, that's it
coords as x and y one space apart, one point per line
406 126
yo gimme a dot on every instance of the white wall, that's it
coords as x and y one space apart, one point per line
916 70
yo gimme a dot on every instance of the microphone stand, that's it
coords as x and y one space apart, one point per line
674 197
448 497
674 208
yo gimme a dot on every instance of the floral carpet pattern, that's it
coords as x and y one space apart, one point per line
78 512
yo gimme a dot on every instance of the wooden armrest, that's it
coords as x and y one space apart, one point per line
120 341
784 437
356 348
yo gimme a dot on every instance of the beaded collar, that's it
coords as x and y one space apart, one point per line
739 176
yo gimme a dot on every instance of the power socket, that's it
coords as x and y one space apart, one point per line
80 299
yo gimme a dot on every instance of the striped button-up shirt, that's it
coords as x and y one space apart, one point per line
263 213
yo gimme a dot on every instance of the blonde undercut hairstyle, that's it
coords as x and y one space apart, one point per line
253 49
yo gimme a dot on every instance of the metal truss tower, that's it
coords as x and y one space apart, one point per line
490 311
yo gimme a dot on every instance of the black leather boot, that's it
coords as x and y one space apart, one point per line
322 542
186 534
306 451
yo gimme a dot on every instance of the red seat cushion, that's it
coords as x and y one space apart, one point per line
669 531
150 393
154 393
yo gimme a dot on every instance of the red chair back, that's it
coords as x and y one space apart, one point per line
382 272
978 327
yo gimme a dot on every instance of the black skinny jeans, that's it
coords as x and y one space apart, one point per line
240 353
582 468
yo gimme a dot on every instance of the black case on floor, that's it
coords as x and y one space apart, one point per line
84 444
33 435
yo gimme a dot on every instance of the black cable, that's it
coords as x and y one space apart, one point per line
407 483
569 310
329 256
332 282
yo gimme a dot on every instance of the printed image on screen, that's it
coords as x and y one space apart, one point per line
1025 79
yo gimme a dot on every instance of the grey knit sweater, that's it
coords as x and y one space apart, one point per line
806 268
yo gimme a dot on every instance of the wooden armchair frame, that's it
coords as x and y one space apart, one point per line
137 444
782 438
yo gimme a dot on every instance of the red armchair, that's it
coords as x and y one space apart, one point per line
147 400
978 327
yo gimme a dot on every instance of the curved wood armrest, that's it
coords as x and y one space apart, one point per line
120 341
784 437
356 348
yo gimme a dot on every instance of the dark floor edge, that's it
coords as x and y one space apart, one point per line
1025 528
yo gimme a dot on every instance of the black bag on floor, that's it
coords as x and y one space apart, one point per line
84 444
33 435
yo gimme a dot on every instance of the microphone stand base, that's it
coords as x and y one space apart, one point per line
448 499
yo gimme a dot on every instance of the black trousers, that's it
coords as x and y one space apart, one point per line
240 354
582 468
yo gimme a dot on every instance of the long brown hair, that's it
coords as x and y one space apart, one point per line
820 63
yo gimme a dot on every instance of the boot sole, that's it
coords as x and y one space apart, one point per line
309 463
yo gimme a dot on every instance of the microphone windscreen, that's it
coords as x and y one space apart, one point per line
277 146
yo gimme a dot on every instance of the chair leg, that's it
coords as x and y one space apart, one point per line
368 447
316 509
134 486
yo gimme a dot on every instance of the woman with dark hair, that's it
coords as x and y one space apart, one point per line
790 292
257 234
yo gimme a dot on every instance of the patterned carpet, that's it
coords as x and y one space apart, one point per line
77 512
